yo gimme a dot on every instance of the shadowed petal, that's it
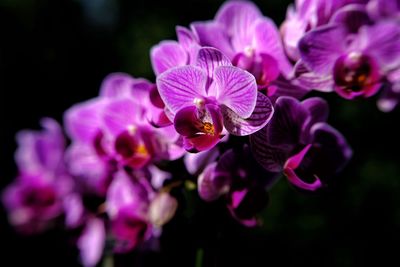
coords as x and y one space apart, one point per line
352 16
318 109
195 163
383 43
292 164
237 89
166 55
330 151
286 87
212 184
261 115
178 87
271 158
287 123
320 48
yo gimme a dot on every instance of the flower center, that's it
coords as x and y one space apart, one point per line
128 145
354 72
208 128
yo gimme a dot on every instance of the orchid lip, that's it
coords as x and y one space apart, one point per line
292 164
356 74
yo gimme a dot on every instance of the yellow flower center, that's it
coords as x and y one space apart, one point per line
208 128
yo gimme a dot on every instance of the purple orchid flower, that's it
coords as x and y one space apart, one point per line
211 95
116 128
250 40
241 181
351 56
127 206
34 200
299 142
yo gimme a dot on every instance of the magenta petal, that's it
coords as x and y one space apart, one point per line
126 192
83 121
270 69
92 241
186 121
213 34
129 229
238 17
189 42
178 87
292 164
311 80
237 89
73 209
209 59
268 41
352 16
202 142
116 84
261 115
321 47
166 55
40 151
185 37
120 114
383 43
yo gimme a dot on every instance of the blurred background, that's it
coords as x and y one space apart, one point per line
56 53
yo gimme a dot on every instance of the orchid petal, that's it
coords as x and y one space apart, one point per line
321 47
209 59
237 17
261 115
268 41
237 89
178 87
213 34
383 43
120 114
166 55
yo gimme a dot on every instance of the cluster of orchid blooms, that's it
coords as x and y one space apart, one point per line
229 101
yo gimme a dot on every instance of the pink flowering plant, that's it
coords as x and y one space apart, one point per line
232 105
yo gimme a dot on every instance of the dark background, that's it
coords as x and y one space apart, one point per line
56 53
